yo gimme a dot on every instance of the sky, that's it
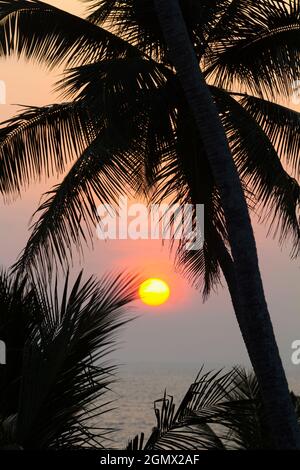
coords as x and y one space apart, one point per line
184 330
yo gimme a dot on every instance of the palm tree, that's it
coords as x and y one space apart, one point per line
57 376
220 411
131 120
253 315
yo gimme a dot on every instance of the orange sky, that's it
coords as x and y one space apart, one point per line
192 331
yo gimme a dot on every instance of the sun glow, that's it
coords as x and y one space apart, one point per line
154 292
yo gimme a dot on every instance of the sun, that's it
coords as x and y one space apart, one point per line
154 292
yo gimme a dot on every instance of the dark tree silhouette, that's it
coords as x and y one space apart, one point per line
133 121
55 381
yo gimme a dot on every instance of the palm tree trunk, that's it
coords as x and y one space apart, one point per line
256 324
228 269
227 266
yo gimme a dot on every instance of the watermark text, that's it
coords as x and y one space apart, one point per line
2 353
154 222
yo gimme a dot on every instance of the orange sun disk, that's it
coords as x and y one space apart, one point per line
154 292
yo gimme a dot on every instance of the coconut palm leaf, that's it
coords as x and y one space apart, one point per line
16 316
277 194
69 213
218 412
251 42
241 417
281 125
200 266
189 428
51 36
118 78
238 417
137 22
184 177
245 422
167 158
136 87
170 436
43 141
258 48
63 375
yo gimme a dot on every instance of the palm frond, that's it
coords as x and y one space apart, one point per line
220 411
69 213
16 316
276 192
244 418
37 30
43 141
188 427
136 22
65 356
281 125
200 266
64 375
184 177
170 436
258 48
120 76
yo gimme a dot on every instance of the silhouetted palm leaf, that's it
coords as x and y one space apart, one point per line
52 36
122 82
257 47
188 428
69 213
277 194
61 376
136 21
43 141
280 124
219 411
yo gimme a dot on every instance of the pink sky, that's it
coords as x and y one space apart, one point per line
184 330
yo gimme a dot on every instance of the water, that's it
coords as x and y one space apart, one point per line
140 385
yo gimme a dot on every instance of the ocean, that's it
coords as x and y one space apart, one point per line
140 384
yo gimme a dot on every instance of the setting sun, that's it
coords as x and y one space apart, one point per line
154 292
